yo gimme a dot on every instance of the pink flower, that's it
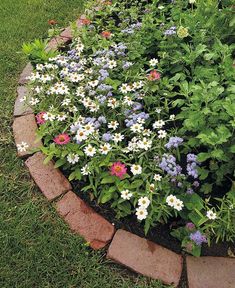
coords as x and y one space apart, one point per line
118 169
154 75
40 119
62 139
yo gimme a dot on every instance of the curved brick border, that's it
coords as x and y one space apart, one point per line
130 250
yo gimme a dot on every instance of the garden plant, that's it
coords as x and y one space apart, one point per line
139 109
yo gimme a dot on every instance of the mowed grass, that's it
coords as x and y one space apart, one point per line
36 248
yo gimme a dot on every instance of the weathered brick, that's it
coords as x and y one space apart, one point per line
50 180
67 34
83 220
25 73
145 257
54 43
20 107
24 130
210 272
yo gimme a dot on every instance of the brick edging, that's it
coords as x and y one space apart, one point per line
144 257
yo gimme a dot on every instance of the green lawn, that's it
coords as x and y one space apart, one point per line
36 247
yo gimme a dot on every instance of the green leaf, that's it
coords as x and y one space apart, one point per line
232 149
206 188
196 251
203 173
193 202
218 154
48 159
76 174
194 217
108 179
107 195
201 157
136 184
60 162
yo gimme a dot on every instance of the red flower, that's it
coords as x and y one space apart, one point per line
85 21
52 22
40 119
154 75
118 169
62 139
106 34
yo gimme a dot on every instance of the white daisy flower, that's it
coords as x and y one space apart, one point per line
158 124
89 128
136 169
113 125
137 128
126 194
147 132
171 200
172 117
138 85
211 215
127 100
49 116
178 205
85 170
153 62
162 134
90 150
39 67
22 147
118 137
66 102
144 202
81 135
61 117
37 89
145 144
93 83
34 101
157 177
112 102
75 77
125 88
112 64
105 148
141 213
72 158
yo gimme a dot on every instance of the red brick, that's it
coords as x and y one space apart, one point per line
83 220
24 130
21 108
25 73
145 257
55 43
210 272
67 34
62 39
50 180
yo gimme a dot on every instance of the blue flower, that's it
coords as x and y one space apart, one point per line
174 142
198 238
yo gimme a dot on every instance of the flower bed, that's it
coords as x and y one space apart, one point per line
140 109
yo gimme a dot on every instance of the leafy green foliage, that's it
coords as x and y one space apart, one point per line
36 51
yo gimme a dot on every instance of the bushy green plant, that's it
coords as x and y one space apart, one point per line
141 108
